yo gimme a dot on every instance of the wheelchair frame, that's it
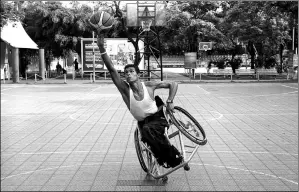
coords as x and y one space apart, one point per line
153 168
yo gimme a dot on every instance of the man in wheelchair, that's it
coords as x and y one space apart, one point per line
147 110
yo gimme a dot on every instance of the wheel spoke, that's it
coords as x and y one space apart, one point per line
188 125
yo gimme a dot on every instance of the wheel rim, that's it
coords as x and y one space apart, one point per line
189 125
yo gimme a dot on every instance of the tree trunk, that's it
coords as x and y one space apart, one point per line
252 53
280 54
252 60
233 65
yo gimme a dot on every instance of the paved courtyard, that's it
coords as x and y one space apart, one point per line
57 137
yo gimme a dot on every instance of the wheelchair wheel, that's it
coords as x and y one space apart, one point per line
144 156
188 125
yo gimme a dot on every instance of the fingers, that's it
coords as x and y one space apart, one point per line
92 25
170 107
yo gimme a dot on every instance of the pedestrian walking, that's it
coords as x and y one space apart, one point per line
76 65
58 68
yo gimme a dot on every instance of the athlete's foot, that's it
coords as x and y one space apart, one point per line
186 167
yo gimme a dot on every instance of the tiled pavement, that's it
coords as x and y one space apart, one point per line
57 137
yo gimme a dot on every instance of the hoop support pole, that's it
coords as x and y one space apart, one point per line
64 78
74 74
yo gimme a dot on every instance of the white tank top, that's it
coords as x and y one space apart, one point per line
141 109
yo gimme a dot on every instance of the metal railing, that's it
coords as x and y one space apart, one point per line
36 79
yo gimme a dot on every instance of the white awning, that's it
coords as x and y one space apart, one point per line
14 34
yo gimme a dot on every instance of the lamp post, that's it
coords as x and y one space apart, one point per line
93 48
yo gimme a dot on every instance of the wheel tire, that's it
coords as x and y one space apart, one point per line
139 151
176 122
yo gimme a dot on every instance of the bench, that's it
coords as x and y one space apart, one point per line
247 72
223 72
266 72
98 73
121 73
152 75
29 74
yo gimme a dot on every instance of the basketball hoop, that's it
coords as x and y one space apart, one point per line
146 25
205 47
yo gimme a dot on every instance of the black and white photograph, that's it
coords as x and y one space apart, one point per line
85 86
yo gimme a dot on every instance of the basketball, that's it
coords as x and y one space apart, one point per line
102 20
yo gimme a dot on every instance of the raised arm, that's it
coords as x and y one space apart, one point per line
113 72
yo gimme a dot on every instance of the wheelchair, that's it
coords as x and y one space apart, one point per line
184 132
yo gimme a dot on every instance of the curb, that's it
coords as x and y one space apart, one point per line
178 81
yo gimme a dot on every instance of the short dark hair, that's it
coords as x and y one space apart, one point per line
135 67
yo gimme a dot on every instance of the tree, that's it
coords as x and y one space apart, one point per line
56 28
229 25
8 12
259 24
191 22
12 11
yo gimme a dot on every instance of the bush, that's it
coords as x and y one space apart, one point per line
220 64
270 62
235 64
282 69
259 62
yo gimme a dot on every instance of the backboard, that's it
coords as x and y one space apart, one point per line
138 12
204 46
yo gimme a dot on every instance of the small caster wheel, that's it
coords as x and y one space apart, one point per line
147 176
164 179
186 167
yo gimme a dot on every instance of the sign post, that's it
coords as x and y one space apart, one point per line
93 53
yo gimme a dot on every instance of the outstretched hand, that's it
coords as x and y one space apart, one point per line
96 28
99 34
93 26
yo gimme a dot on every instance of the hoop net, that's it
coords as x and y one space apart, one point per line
146 25
205 47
